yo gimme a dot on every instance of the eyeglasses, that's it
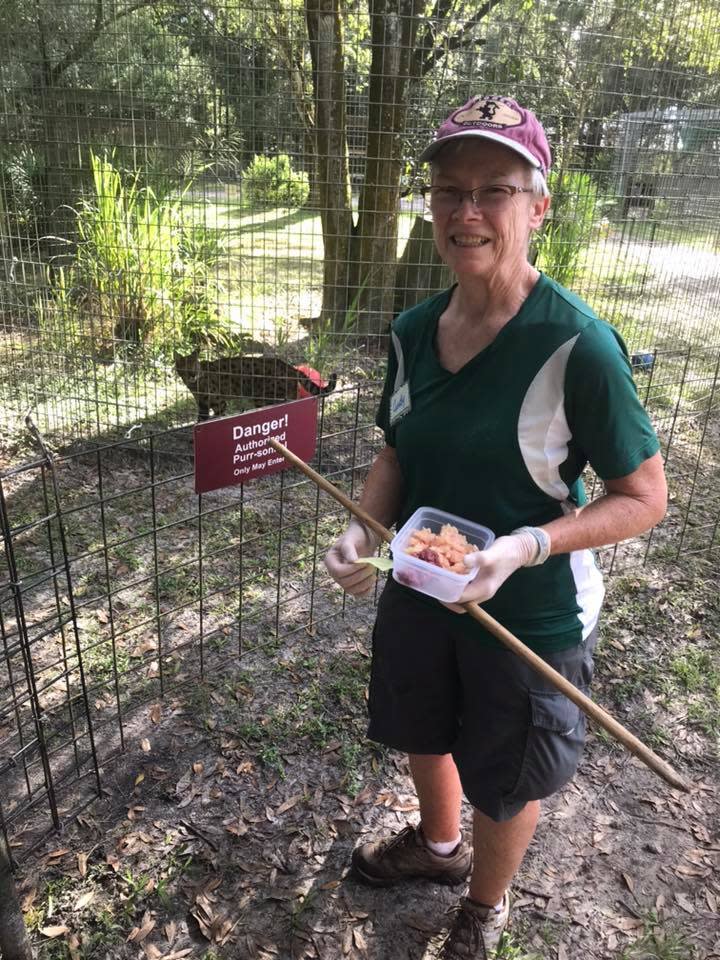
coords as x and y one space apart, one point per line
445 200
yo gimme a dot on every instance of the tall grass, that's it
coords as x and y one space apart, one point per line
140 274
128 245
574 217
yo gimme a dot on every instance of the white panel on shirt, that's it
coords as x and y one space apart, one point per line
543 431
543 435
589 588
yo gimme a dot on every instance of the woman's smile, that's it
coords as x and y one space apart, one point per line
468 240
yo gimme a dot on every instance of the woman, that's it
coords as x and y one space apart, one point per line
498 393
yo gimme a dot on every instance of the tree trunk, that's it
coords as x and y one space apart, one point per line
55 192
420 271
14 943
374 254
333 169
293 57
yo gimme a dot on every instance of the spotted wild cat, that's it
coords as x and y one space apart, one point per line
258 380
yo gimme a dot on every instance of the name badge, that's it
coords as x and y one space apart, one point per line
400 403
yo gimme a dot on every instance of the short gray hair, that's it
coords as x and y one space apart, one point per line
538 183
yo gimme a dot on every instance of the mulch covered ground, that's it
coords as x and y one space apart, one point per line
227 827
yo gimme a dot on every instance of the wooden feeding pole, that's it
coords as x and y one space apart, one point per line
588 706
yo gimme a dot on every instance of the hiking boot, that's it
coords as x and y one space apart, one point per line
405 856
475 931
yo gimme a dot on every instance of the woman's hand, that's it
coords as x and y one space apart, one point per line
494 566
341 559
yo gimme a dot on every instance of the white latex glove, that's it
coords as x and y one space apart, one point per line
495 565
357 541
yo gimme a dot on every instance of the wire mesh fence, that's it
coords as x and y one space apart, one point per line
119 583
239 179
189 194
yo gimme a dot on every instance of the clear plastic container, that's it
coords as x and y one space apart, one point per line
426 577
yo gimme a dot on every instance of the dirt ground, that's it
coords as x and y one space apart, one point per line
226 829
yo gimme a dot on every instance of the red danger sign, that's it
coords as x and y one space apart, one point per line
234 450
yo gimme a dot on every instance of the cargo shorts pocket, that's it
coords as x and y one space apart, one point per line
554 743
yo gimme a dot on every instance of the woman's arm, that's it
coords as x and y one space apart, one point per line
382 494
381 498
630 506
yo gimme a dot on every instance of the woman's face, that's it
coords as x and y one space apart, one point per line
477 240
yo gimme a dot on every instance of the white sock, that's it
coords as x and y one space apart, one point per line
497 908
443 849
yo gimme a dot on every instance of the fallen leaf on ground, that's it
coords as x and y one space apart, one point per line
683 870
138 934
54 931
364 795
684 901
57 854
85 899
215 924
628 924
170 931
237 827
289 803
386 798
73 945
144 647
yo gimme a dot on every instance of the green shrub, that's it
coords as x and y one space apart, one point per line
140 274
201 244
574 216
272 180
19 173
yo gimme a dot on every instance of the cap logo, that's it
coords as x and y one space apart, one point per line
488 112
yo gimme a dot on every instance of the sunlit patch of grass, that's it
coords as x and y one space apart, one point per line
510 948
695 669
659 944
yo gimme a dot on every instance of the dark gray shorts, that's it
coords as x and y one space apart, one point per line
513 736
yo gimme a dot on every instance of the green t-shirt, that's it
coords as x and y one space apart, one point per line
503 442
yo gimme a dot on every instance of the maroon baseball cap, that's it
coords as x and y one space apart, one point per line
495 118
